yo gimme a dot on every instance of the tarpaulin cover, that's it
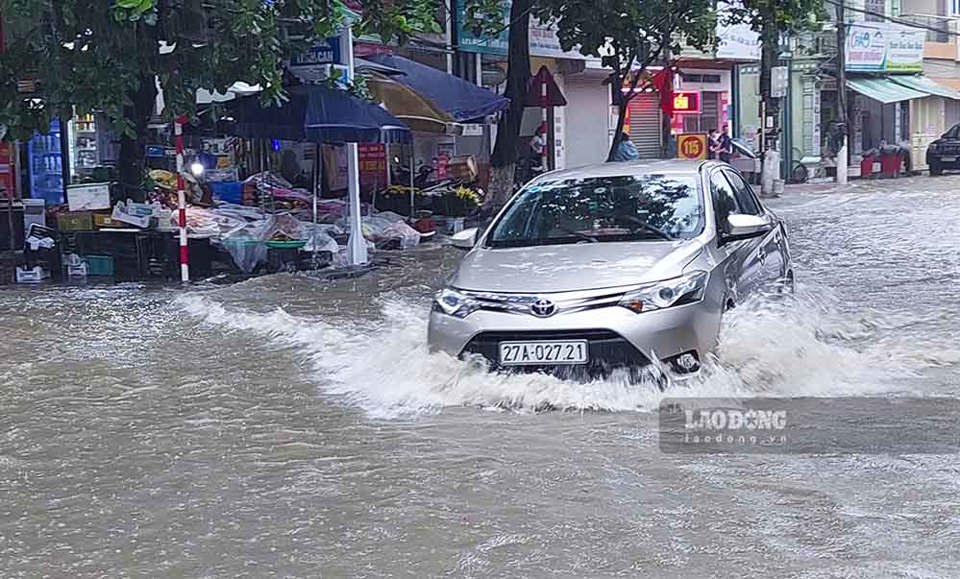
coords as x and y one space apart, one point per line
320 115
463 100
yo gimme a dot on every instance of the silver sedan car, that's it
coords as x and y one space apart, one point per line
615 266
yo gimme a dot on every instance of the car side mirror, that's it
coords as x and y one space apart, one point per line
465 239
746 226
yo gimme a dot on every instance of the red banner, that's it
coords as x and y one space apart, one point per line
373 164
6 170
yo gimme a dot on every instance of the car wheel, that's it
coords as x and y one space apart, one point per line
936 169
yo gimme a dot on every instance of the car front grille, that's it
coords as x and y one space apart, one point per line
608 351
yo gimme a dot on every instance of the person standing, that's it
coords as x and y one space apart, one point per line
713 144
538 149
726 145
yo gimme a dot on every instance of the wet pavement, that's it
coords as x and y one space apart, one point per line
288 427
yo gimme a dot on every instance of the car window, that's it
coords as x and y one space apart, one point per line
724 199
746 200
651 207
953 132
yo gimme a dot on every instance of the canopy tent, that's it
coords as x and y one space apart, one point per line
883 90
462 100
419 113
318 114
925 85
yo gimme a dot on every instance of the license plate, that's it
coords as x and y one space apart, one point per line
543 353
948 159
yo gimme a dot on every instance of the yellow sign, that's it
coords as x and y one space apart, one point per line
692 146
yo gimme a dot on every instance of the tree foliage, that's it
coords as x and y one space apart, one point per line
98 55
630 36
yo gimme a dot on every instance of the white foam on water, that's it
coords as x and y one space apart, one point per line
797 346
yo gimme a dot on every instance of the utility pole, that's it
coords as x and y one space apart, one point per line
842 154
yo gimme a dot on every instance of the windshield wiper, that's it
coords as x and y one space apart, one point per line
647 227
579 234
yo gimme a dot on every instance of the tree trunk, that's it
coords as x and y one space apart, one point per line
621 121
504 157
130 166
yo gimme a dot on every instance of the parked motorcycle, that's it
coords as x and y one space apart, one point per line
401 174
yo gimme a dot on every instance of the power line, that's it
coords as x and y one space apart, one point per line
895 20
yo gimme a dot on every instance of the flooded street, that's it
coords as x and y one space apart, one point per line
289 427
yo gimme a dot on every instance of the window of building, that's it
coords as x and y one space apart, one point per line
875 10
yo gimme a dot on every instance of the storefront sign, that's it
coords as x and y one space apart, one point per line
320 62
905 49
373 164
543 38
686 102
884 47
735 41
692 146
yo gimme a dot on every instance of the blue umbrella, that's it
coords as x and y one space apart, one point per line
318 114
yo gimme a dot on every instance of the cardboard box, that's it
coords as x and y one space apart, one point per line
89 197
75 221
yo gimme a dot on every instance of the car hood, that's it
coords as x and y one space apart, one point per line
582 266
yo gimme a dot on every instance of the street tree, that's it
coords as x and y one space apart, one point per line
630 36
486 18
772 20
113 55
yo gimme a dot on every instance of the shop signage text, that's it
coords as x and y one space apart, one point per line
686 102
543 38
884 47
373 164
692 146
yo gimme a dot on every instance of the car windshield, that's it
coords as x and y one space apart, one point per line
648 207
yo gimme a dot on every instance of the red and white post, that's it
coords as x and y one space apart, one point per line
545 119
181 200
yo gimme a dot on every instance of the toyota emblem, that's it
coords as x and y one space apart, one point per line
543 308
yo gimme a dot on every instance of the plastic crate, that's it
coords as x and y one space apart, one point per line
35 274
230 192
99 264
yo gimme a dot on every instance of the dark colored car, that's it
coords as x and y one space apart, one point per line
944 153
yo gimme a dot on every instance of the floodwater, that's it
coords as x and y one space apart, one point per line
288 427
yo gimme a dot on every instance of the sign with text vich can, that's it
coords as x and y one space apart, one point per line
692 146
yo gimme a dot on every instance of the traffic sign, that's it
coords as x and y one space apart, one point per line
692 146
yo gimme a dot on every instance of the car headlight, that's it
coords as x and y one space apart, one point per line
454 303
685 289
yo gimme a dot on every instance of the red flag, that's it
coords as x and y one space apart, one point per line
663 82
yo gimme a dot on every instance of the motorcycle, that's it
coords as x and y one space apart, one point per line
401 174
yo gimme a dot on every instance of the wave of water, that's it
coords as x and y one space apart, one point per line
794 347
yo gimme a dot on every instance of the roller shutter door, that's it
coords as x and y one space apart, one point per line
645 127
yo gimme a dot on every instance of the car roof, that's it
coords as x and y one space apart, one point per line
617 169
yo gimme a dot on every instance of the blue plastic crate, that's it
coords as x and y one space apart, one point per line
228 191
99 264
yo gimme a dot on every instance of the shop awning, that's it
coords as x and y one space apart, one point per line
320 115
925 85
462 100
883 90
419 113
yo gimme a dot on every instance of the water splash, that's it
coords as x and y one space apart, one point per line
799 346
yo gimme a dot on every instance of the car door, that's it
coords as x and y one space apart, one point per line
772 251
741 258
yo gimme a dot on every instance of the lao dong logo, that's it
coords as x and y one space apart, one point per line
734 419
